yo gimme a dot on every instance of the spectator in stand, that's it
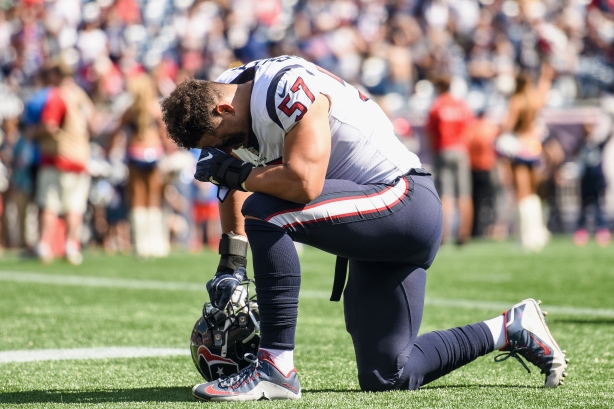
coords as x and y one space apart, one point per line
145 130
446 127
481 134
63 182
521 144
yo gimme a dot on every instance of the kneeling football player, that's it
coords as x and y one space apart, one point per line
301 155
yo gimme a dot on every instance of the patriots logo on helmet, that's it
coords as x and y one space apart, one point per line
217 366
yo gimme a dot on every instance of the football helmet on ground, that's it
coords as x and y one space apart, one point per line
221 338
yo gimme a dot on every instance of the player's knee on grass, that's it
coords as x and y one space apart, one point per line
371 381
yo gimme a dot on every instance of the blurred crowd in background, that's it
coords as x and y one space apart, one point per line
81 81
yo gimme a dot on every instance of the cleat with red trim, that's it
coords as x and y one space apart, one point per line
527 335
261 380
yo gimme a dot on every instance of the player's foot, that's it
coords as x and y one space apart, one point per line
580 237
259 381
527 334
603 237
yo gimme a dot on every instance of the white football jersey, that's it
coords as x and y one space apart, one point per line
364 148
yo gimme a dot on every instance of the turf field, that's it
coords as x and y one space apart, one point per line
119 302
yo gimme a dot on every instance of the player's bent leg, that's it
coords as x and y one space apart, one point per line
522 331
438 353
383 306
271 375
278 278
384 320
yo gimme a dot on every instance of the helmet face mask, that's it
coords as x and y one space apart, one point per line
221 338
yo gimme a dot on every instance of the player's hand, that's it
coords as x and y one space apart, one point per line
226 287
208 157
223 169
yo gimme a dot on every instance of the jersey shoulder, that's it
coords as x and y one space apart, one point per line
285 90
239 75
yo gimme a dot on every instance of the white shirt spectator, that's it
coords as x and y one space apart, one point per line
92 43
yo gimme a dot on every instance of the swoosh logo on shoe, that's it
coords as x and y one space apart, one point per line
205 158
546 349
210 391
287 385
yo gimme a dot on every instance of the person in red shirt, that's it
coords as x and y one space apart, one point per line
446 127
63 182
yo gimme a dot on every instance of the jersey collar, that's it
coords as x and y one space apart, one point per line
248 75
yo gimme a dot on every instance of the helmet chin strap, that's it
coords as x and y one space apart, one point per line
225 344
256 330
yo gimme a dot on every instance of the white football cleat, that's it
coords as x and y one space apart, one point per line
261 380
527 334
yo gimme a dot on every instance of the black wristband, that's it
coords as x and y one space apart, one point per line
232 244
231 263
233 252
230 172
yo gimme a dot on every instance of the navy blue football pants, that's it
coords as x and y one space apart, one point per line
391 234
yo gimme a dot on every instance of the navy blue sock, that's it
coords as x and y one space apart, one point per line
438 353
278 278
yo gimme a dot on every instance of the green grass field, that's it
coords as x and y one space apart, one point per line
465 285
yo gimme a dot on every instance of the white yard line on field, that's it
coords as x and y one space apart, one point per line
89 281
116 282
88 353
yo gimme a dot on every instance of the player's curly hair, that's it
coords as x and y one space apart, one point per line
188 111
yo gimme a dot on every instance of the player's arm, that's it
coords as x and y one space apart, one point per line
230 212
225 286
300 177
